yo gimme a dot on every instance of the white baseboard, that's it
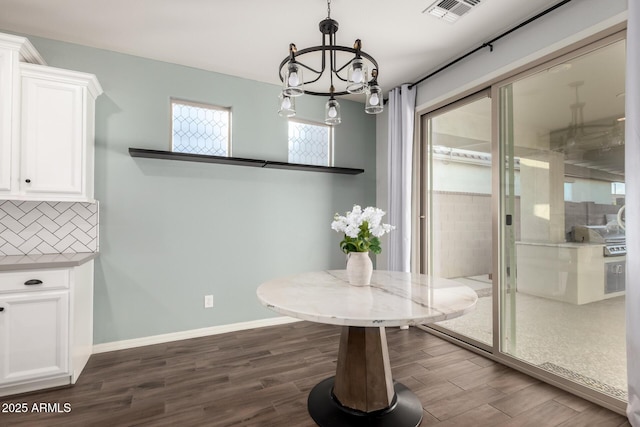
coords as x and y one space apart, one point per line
193 333
34 386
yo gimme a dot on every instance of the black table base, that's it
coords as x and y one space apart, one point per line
326 411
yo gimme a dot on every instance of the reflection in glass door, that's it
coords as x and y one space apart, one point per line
458 238
562 296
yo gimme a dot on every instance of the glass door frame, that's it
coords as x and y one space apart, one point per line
422 181
426 205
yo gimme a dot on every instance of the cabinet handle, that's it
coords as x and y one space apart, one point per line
28 181
33 282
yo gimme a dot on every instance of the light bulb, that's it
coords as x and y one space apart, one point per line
356 76
293 79
374 102
332 112
286 103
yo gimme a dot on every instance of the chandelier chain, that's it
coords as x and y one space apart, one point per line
328 8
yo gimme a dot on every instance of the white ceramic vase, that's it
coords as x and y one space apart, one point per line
359 268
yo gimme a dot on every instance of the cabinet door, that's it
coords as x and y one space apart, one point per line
6 105
52 138
34 336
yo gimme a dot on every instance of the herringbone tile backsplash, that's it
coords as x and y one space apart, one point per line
33 228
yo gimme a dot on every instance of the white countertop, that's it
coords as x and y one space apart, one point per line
393 299
28 262
571 245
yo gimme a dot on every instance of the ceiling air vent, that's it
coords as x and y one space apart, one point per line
451 10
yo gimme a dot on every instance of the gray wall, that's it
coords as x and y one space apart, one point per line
171 232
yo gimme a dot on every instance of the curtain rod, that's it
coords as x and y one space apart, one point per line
489 44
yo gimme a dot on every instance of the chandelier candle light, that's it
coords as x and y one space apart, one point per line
362 231
356 81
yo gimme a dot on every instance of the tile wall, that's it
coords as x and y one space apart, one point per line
463 233
34 227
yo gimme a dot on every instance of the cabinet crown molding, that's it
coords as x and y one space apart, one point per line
90 81
23 46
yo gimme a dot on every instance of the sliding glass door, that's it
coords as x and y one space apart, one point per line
562 135
522 199
458 232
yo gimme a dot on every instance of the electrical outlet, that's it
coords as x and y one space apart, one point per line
208 301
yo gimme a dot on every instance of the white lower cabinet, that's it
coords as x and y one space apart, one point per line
34 332
46 327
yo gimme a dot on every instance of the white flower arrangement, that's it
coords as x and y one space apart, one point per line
362 229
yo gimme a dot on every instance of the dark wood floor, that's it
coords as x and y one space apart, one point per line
261 377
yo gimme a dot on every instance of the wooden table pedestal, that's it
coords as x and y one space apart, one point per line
363 392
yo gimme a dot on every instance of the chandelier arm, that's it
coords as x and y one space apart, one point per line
325 48
362 54
343 67
319 74
286 61
332 57
310 92
302 64
337 72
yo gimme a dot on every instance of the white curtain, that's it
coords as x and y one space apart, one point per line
632 209
402 102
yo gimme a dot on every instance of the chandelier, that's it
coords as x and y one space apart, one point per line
358 79
602 134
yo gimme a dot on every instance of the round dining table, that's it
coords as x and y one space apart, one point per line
363 392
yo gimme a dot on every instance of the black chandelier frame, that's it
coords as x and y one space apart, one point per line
328 28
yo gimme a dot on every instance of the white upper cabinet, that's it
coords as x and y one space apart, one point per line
47 122
57 133
6 105
13 50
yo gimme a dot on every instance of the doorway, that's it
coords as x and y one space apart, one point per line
457 235
523 193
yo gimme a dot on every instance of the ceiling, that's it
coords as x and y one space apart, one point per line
249 38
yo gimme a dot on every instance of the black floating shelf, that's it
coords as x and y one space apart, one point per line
239 161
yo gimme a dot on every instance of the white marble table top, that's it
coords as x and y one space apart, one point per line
392 299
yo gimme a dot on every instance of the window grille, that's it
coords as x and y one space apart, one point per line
200 128
310 143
